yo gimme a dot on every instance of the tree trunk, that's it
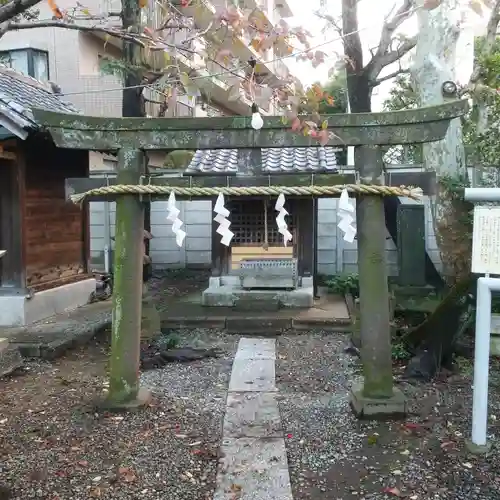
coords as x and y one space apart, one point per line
436 63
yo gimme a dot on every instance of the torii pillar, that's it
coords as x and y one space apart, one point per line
131 137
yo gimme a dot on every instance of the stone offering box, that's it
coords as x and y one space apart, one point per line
268 273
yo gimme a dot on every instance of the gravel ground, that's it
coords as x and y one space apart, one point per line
333 456
54 446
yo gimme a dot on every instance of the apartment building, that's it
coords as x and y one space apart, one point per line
73 60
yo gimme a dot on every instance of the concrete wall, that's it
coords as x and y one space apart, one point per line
334 254
196 250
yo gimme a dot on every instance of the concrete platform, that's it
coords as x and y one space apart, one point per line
53 337
21 310
227 292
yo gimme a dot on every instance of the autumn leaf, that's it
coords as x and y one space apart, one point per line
127 474
255 44
323 137
143 3
311 124
392 491
188 84
56 12
296 125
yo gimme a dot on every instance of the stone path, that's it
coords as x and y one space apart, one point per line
254 462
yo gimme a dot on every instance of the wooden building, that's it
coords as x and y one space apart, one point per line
44 270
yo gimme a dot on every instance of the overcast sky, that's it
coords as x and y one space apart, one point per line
371 17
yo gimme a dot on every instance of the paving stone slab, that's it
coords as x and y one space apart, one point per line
252 348
253 469
252 414
253 375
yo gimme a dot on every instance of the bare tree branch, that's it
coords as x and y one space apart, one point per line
390 57
385 54
378 81
10 26
13 8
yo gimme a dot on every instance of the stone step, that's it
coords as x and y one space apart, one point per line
258 326
263 302
10 357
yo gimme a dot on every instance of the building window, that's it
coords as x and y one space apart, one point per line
30 62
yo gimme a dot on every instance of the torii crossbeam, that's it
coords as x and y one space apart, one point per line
131 137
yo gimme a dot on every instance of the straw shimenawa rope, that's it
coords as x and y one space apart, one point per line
142 189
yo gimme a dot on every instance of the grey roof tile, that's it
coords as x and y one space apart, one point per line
274 160
19 94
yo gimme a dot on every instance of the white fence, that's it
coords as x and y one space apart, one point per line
333 253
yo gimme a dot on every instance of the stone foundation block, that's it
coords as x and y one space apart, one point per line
373 408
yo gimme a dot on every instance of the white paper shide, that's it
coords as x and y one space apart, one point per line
346 215
173 217
221 217
281 221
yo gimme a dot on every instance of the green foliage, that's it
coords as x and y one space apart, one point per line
342 284
166 342
400 352
118 67
336 88
178 159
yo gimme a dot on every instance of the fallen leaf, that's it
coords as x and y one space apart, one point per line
447 444
127 474
392 491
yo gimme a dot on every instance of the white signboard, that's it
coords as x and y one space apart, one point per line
486 240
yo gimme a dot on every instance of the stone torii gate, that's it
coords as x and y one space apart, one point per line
131 137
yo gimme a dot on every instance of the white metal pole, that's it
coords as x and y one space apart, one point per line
107 267
481 361
482 194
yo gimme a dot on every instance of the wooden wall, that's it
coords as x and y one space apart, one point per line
56 242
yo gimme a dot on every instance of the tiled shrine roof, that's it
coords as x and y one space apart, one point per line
19 94
271 160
